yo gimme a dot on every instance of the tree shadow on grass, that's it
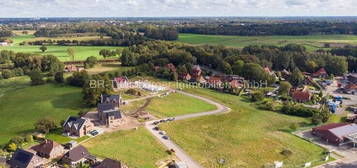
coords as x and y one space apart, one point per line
71 101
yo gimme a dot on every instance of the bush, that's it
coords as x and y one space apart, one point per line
133 92
78 78
286 152
6 74
45 125
29 138
17 140
11 147
59 77
294 126
36 78
90 62
298 110
257 96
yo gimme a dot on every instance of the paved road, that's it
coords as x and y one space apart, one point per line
180 153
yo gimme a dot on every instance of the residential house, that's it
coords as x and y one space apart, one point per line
336 133
77 155
115 99
171 67
198 79
121 82
321 73
73 68
301 96
4 44
196 71
214 82
49 149
110 163
109 114
24 159
185 76
76 126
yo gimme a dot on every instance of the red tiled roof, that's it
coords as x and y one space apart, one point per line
329 126
121 79
214 79
301 95
45 147
321 71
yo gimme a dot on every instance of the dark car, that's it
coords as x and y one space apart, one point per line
94 132
165 137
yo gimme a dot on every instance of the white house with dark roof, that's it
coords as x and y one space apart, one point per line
76 126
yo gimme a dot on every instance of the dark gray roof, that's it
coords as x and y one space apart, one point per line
105 106
109 163
77 153
109 98
344 130
74 122
21 158
115 113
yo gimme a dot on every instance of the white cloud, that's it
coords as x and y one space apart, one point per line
118 8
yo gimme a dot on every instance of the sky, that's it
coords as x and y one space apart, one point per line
172 8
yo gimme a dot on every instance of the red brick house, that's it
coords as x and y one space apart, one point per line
321 73
185 76
301 96
171 67
196 71
335 133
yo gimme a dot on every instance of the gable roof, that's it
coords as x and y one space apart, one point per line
74 122
21 158
301 95
329 126
109 98
171 67
115 113
321 71
105 106
45 147
109 163
77 153
121 79
344 130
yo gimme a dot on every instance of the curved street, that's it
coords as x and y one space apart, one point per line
180 153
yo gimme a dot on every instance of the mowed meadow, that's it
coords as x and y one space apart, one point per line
244 137
21 105
312 42
81 52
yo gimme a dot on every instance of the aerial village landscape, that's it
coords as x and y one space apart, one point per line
177 91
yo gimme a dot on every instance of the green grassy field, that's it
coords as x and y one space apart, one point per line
312 42
177 104
81 52
137 148
22 106
245 137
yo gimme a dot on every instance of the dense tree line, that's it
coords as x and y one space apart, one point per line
18 64
167 33
255 29
351 53
248 62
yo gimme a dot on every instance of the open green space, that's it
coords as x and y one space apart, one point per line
245 137
21 107
56 135
312 42
136 148
177 104
81 52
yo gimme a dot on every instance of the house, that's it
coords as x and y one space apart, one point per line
171 67
109 115
214 82
321 73
110 163
301 96
336 133
115 99
24 159
77 155
235 84
198 79
73 68
49 149
196 71
121 82
350 89
185 76
76 126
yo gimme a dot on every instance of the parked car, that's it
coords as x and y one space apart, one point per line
165 137
156 122
162 132
156 128
94 132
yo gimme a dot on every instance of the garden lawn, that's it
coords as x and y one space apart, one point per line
245 137
312 42
21 108
81 52
177 104
136 148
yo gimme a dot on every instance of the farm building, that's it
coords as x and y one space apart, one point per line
337 133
